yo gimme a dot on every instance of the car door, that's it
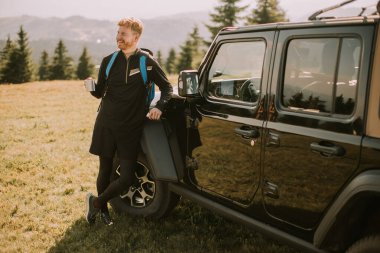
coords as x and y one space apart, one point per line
315 126
230 116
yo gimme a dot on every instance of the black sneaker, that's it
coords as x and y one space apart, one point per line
106 218
91 210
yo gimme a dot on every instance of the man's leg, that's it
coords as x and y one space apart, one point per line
103 180
115 188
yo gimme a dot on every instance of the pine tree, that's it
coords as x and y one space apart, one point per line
185 56
159 57
267 11
9 46
9 72
192 51
225 15
43 70
18 68
61 68
198 49
26 69
170 62
4 56
85 67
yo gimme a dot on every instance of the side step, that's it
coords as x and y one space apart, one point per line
241 218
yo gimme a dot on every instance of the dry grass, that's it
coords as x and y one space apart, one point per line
45 165
46 170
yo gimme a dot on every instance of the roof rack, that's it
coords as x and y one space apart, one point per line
363 9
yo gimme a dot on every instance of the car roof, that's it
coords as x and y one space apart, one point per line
357 20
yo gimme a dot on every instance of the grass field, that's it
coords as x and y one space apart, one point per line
46 171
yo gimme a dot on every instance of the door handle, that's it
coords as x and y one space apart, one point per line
247 132
327 148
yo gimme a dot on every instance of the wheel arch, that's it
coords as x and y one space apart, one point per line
357 204
155 145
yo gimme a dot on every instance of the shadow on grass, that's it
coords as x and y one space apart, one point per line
189 228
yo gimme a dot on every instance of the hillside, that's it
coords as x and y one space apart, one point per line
160 33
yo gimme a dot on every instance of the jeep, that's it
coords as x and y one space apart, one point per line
279 129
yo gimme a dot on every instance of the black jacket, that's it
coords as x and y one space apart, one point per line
124 92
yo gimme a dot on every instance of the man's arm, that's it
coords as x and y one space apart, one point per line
158 76
100 86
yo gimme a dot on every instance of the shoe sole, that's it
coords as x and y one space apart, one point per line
88 197
110 223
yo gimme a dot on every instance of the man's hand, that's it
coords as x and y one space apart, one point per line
154 114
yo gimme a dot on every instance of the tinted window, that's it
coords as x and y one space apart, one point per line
321 75
235 73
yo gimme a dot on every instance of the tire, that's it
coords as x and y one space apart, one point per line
369 244
147 197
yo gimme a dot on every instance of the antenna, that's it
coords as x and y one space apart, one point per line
365 8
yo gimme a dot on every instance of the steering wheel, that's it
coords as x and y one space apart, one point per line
250 90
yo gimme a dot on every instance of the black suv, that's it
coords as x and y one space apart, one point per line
279 129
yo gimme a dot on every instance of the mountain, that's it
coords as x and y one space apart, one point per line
98 36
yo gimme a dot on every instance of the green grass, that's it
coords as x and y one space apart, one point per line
46 171
188 229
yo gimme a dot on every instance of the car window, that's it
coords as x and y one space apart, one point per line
235 73
321 75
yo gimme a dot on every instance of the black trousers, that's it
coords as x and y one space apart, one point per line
107 189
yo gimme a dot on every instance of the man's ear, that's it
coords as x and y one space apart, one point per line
137 37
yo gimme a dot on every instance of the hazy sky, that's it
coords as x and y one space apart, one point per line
116 9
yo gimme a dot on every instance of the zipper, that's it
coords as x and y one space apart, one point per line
126 74
128 59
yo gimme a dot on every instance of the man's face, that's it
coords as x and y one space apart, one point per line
126 38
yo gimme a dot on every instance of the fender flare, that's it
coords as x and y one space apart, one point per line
368 181
155 146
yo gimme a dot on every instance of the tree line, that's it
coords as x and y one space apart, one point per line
16 65
226 14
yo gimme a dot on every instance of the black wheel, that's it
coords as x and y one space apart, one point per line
369 244
147 197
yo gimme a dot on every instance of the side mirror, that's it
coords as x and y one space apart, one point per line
188 83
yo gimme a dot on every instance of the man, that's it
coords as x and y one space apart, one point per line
121 116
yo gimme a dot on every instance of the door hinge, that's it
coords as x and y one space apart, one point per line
273 140
270 189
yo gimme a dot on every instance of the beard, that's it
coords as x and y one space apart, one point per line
123 45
